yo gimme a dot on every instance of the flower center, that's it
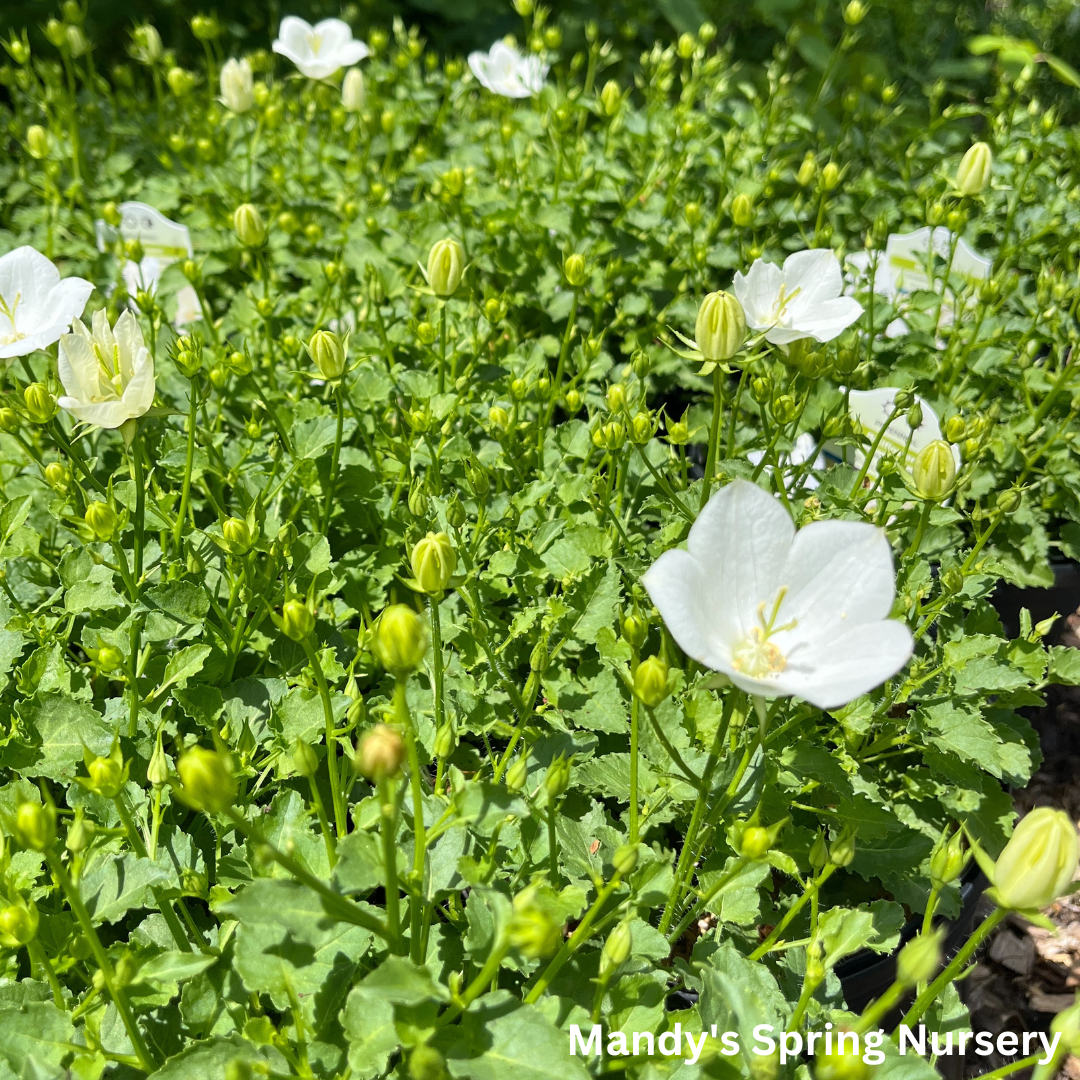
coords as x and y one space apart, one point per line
779 311
315 41
756 655
8 311
110 380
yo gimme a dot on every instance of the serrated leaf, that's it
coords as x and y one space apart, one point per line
182 666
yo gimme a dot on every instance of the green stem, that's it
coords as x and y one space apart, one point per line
341 820
437 660
388 828
577 938
41 958
481 983
924 517
416 900
147 1061
553 844
140 503
324 823
872 451
714 436
185 491
634 823
1014 1067
952 969
706 897
442 349
331 482
792 911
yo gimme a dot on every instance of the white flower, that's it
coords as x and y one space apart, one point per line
146 275
237 91
108 375
782 613
320 50
504 71
802 300
36 306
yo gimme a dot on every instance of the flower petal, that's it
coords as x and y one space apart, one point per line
139 393
106 414
815 273
674 583
839 669
824 319
757 291
78 367
129 338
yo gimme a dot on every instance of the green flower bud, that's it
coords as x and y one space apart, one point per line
517 775
380 754
955 429
1038 862
327 353
101 518
934 471
426 334
616 397
146 44
109 657
157 772
830 176
557 778
842 851
426 1063
418 501
572 400
616 950
574 270
914 416
499 418
651 681
635 629
35 826
18 924
819 852
625 859
37 141
57 475
678 432
854 12
445 266
9 420
952 581
1008 501
455 512
610 98
948 859
352 90
807 170
784 409
80 833
297 621
742 210
531 930
305 760
1067 1025
755 842
610 436
973 173
400 639
40 404
181 82
207 779
919 959
721 326
249 225
538 658
237 535
847 1065
107 774
205 27
445 741
641 429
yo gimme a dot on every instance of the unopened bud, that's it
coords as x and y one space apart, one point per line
400 639
327 353
101 518
446 264
237 535
721 326
616 950
557 778
934 471
973 173
249 225
517 774
830 176
297 621
742 210
919 960
40 404
207 779
651 681
380 753
18 924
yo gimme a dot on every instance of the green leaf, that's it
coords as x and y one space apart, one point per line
182 666
359 867
844 931
57 728
1064 666
212 1058
114 884
35 1038
183 601
88 585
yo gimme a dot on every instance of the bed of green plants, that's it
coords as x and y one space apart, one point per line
523 558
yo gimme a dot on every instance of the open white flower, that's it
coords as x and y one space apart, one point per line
36 305
782 613
108 375
504 71
802 300
320 50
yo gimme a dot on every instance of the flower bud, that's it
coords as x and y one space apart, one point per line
574 270
819 852
327 353
40 404
433 560
35 826
80 834
205 27
610 98
531 930
1008 501
57 475
37 141
721 326
742 210
9 420
426 334
948 859
973 173
616 950
418 501
380 753
845 1064
915 416
625 859
181 82
101 518
445 740
842 851
107 774
651 681
755 842
426 1063
305 760
237 535
635 629
146 44
955 429
557 778
237 91
807 170
446 264
919 960
517 775
830 176
249 225
352 90
641 429
934 471
455 512
1067 1025
109 657
18 924
1038 862
400 639
157 772
297 621
854 12
207 779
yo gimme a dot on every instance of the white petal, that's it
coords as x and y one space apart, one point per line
839 575
815 273
478 64
106 414
674 583
757 291
293 33
130 339
78 367
841 669
352 52
824 319
139 393
741 540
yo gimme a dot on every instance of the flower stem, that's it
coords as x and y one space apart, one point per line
116 991
714 436
634 824
553 844
437 660
185 491
705 898
442 349
41 958
781 926
341 820
416 902
388 828
331 483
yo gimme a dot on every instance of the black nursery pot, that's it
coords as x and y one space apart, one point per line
1063 597
866 975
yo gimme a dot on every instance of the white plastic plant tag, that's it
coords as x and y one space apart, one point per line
907 255
160 238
